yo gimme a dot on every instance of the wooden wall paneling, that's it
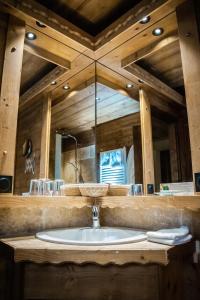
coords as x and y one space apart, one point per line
29 127
173 153
10 94
190 54
147 143
45 137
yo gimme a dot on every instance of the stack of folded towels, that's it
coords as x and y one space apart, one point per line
173 236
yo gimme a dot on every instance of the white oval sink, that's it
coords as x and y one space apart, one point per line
91 236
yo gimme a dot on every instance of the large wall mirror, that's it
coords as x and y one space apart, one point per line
94 116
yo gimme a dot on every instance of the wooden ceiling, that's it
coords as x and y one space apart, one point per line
65 53
90 15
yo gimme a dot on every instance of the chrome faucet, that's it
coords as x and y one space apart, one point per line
95 216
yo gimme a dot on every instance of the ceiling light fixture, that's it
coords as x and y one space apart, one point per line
31 36
158 31
53 82
145 20
66 87
97 99
40 24
129 85
140 81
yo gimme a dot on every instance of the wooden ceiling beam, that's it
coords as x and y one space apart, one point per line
40 86
32 11
149 49
47 55
155 83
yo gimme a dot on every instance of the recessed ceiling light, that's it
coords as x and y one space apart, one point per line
53 82
140 81
97 99
31 36
145 20
40 24
158 31
66 87
129 85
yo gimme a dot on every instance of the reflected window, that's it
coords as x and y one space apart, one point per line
113 166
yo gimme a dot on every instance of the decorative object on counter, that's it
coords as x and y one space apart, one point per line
171 236
176 188
71 189
94 190
118 190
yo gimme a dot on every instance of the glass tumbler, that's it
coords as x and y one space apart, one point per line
138 189
57 184
48 187
35 187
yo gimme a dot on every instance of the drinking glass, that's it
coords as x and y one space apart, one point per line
48 187
138 190
57 184
35 187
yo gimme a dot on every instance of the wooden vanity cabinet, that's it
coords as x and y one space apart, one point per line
39 280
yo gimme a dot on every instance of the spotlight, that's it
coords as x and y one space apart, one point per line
140 81
40 24
145 20
66 87
158 31
97 99
129 85
31 36
53 82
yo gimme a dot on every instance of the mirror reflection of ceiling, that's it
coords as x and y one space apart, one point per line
92 16
76 113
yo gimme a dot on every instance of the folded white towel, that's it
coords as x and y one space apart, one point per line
173 242
170 234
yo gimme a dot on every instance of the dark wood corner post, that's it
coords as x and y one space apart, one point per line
147 143
189 36
9 97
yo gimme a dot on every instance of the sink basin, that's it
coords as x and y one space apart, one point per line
87 236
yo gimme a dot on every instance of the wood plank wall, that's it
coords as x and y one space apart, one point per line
29 127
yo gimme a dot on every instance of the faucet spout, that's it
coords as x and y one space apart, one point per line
95 216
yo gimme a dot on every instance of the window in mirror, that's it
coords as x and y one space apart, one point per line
113 166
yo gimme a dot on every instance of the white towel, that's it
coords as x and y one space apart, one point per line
173 242
169 234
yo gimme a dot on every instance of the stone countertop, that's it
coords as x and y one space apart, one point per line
191 202
34 250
